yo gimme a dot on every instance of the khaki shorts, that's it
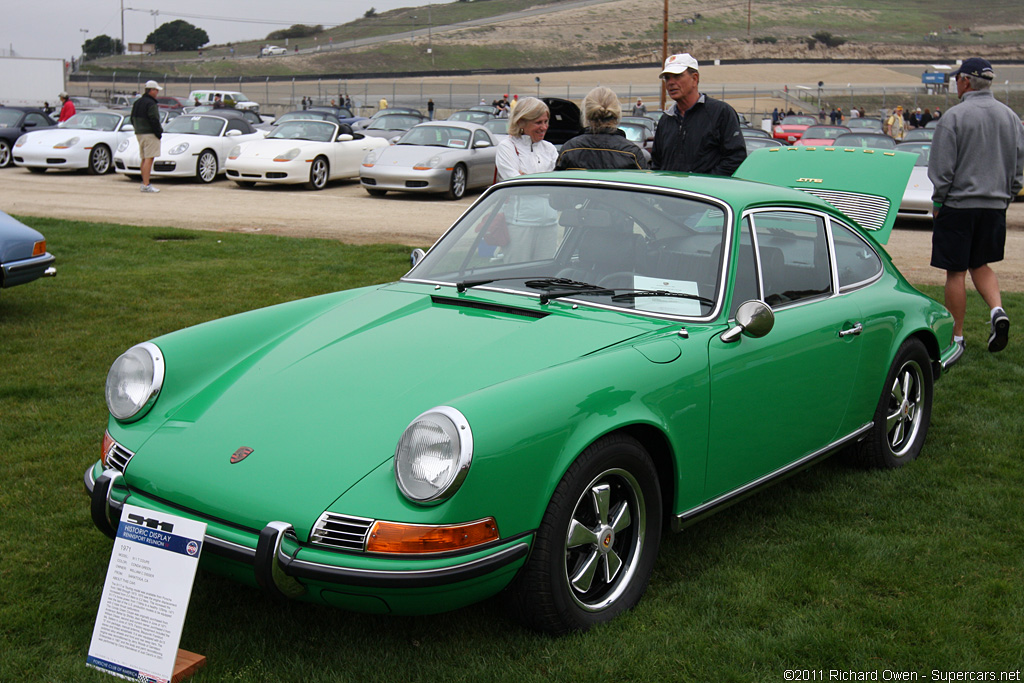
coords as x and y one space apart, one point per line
149 145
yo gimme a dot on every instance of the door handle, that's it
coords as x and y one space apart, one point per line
854 331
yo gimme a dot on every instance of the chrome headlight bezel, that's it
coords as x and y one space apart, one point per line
446 430
134 382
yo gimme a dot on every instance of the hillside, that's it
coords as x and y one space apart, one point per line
560 33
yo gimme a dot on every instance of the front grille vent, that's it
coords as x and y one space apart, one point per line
118 457
341 531
868 210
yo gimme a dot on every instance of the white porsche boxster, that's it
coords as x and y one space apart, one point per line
301 151
193 145
86 140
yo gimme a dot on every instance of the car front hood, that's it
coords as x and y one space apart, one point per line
325 404
270 148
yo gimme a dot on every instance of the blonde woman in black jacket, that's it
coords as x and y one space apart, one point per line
602 144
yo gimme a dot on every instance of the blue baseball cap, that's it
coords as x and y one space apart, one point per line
976 66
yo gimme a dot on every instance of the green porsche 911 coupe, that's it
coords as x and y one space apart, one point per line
582 360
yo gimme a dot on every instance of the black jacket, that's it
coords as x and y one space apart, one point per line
600 150
146 116
706 140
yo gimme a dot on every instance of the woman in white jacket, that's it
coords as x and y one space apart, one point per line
532 223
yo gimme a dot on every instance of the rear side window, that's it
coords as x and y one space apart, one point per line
857 263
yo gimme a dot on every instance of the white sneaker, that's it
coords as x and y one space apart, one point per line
149 188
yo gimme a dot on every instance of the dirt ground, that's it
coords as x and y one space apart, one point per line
345 212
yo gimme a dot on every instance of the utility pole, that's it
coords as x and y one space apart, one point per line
664 49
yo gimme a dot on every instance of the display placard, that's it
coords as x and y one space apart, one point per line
146 595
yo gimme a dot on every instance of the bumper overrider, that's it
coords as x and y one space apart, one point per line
278 565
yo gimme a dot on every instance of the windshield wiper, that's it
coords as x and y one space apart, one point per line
539 283
636 293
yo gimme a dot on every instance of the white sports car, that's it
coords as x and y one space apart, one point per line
192 146
301 151
917 198
86 140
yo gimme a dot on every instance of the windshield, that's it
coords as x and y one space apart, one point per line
394 122
597 244
308 115
923 150
799 121
90 121
436 136
9 117
317 131
634 133
196 125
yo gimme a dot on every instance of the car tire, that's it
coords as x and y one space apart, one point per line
206 167
319 173
904 411
457 185
597 542
6 158
376 193
100 160
36 169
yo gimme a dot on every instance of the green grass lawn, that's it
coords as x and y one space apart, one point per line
916 570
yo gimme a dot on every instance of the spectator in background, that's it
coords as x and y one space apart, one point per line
67 108
698 134
976 168
145 120
639 109
430 109
602 144
895 125
532 223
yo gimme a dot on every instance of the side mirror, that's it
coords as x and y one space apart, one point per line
481 144
232 133
128 128
754 318
416 256
345 137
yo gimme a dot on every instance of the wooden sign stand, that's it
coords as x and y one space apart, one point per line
186 664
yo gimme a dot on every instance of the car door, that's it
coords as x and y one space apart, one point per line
783 396
348 155
481 160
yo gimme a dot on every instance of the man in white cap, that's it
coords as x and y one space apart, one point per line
698 134
146 121
976 167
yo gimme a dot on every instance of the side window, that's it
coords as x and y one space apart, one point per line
856 262
746 270
792 250
238 124
480 136
36 119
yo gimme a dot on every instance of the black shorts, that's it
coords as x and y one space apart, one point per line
963 239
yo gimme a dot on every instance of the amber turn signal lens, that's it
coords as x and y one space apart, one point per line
392 537
39 248
108 443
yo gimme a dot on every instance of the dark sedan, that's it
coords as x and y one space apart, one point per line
15 122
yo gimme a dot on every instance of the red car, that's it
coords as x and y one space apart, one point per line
817 136
169 102
793 127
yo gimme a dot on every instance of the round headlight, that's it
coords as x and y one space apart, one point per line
434 455
123 145
134 381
